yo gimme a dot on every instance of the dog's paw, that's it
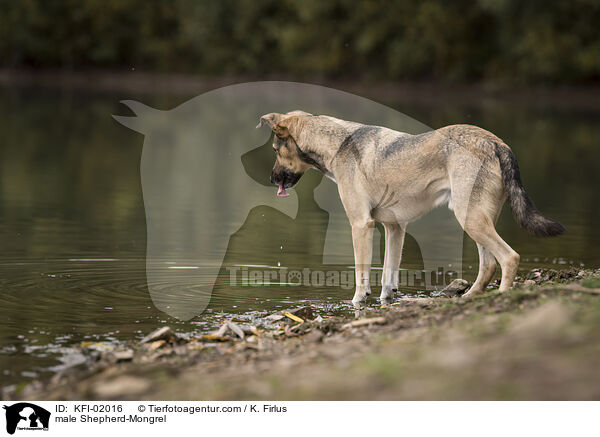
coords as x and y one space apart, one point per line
472 292
360 296
387 292
359 305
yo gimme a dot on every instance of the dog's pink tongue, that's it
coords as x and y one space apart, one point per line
281 192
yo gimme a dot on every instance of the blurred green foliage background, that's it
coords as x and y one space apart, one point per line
552 42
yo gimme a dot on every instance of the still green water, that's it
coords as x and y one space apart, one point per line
73 226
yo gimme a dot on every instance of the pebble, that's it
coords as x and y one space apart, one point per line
164 333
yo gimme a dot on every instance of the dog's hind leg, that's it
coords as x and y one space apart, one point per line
394 240
506 256
487 269
477 208
487 264
480 228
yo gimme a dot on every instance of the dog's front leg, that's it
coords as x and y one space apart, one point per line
394 240
362 239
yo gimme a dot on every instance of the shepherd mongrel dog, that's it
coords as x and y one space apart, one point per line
394 178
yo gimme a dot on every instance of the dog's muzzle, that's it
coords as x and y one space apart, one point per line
286 179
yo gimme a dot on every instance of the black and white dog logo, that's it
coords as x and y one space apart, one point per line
26 416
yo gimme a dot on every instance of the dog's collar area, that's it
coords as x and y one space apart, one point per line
311 158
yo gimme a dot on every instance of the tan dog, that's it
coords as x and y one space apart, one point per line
395 178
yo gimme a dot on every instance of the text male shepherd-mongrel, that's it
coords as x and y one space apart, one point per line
394 178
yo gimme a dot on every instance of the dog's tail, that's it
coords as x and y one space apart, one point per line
523 209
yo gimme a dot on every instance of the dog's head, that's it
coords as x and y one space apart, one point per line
290 162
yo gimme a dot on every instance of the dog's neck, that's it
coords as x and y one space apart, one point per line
317 160
319 147
312 158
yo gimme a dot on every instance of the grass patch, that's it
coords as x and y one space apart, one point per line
385 369
593 282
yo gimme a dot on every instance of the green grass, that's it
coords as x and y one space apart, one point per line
593 282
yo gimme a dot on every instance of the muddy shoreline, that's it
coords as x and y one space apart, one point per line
538 341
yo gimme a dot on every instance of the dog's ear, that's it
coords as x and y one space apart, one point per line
283 125
271 119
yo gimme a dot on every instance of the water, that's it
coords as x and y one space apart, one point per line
73 226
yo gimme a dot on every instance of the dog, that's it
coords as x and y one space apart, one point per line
395 178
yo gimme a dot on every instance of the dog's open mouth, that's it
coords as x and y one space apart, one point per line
281 191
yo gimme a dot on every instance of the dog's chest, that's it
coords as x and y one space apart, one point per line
397 206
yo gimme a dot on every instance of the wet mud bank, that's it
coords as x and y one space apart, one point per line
540 340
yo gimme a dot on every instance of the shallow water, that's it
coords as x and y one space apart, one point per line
73 225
